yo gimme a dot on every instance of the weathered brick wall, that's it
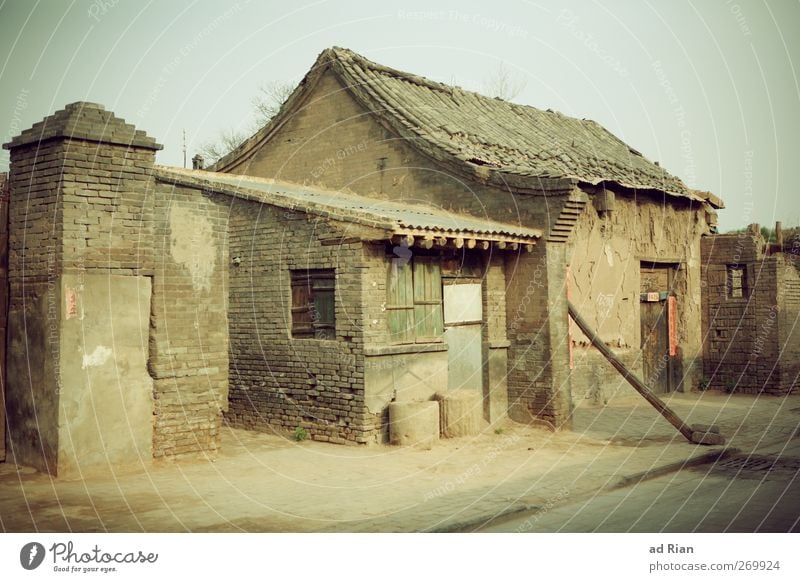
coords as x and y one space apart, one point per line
277 380
605 281
107 209
189 324
538 364
334 143
741 335
34 309
79 231
788 266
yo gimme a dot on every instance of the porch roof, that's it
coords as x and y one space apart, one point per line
416 223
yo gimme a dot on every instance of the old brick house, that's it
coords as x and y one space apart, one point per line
751 313
624 231
383 238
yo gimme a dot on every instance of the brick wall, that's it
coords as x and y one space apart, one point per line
277 381
117 326
189 324
332 142
788 267
743 336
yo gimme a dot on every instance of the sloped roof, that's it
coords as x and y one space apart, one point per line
499 141
392 217
88 121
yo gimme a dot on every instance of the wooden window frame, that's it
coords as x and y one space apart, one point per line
730 289
414 301
313 306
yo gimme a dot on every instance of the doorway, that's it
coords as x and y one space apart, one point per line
657 316
463 316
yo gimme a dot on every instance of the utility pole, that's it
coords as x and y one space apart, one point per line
184 148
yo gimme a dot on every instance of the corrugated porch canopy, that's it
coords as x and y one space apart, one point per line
406 224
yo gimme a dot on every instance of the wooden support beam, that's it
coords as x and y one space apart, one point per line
687 431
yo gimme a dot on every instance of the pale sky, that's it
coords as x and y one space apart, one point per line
708 88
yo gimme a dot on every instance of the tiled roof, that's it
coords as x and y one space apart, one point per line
514 139
393 217
499 141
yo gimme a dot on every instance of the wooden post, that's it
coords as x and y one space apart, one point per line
686 430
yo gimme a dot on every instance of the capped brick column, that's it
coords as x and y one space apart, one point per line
79 395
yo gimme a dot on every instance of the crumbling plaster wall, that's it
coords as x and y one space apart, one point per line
188 340
80 397
605 255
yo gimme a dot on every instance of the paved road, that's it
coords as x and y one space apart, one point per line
739 494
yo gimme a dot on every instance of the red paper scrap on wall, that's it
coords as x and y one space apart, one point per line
672 322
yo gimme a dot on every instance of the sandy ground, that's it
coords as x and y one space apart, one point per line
266 482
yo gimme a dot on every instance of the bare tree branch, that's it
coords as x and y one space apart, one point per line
266 104
504 84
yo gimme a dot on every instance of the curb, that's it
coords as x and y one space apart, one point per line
709 457
626 481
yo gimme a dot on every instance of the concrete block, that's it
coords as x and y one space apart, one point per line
460 413
414 423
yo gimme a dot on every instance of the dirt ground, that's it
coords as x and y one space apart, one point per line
267 482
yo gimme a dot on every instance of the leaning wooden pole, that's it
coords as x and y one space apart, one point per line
697 434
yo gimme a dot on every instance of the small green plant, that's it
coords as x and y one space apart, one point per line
498 430
300 434
730 386
704 383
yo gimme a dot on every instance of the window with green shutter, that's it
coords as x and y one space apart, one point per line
414 305
313 303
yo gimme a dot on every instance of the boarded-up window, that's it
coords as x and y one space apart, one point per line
313 304
737 281
414 302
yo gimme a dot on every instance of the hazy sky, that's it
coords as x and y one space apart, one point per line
708 88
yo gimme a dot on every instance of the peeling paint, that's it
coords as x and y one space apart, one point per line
98 357
192 245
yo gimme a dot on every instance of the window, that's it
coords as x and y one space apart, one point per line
737 281
414 301
313 307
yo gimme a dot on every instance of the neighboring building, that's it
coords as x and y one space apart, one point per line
751 312
383 239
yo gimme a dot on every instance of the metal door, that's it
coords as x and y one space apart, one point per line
463 314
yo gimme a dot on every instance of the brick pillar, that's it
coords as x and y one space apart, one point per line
538 358
80 398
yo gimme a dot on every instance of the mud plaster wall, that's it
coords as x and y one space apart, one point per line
189 323
605 255
277 381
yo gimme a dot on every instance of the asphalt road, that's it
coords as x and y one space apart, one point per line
738 494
